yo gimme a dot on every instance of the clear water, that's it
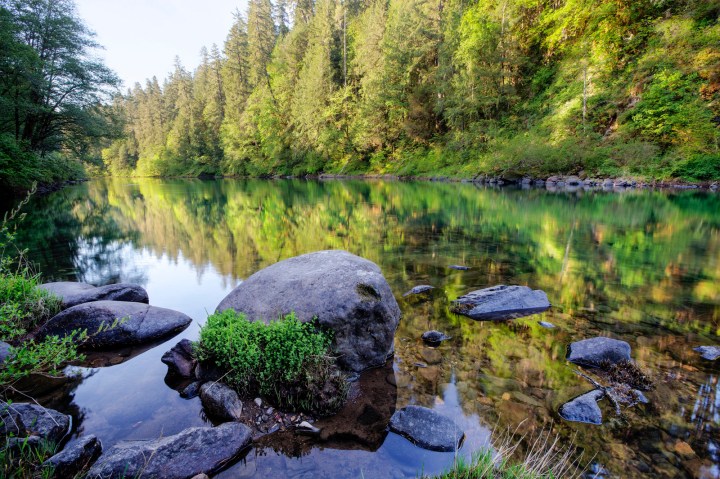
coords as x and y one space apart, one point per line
641 266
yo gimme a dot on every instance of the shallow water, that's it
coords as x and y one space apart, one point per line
641 266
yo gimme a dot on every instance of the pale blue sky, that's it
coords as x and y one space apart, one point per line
142 37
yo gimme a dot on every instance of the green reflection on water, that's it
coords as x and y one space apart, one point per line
640 266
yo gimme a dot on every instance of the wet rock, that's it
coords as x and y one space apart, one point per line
583 408
24 420
196 450
220 401
135 323
73 293
431 356
434 338
427 429
75 457
459 267
348 295
546 325
591 352
5 349
501 303
711 353
308 428
258 402
191 390
201 476
180 360
421 289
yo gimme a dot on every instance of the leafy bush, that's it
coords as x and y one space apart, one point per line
287 361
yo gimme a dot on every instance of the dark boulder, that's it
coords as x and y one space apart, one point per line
220 402
134 323
75 457
24 420
73 294
501 302
348 295
583 408
711 353
427 429
594 351
434 338
196 450
180 360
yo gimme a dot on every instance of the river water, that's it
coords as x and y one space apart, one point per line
641 266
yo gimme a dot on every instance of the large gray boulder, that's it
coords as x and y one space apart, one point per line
348 295
427 429
75 457
594 351
32 422
583 408
73 293
137 323
196 450
501 303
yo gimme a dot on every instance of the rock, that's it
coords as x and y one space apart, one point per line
434 338
711 353
191 390
5 351
348 295
138 323
75 457
258 402
427 429
201 476
459 267
307 427
196 450
591 352
501 302
546 325
180 360
573 181
423 288
583 408
73 294
220 401
25 420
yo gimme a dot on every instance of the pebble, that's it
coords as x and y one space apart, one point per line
258 401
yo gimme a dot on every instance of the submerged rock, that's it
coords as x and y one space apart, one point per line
421 289
591 352
25 420
546 325
137 323
180 360
427 429
459 267
711 353
348 295
583 408
501 302
75 457
220 401
434 338
196 450
73 293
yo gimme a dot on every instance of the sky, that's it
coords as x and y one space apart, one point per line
142 37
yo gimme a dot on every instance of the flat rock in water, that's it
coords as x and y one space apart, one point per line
180 360
546 325
501 302
591 352
711 353
459 267
23 420
74 457
427 429
73 293
196 450
138 323
220 401
423 288
583 408
348 295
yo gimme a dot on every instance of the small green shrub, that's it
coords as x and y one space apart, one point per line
287 361
23 306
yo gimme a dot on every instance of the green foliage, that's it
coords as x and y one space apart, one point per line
286 360
22 460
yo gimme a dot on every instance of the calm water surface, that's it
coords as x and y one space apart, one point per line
639 266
